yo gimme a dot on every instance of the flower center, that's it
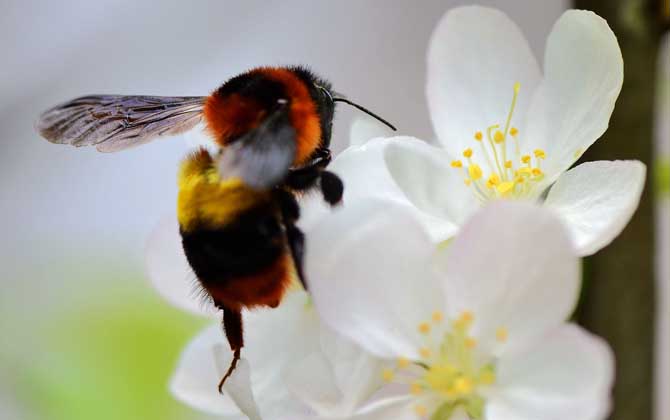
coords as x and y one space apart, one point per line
451 371
511 174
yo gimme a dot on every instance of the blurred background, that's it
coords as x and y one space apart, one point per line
82 333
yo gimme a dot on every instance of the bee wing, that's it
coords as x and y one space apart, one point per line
117 122
263 156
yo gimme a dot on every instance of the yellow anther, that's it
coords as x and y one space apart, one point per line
437 316
525 158
539 153
387 375
513 131
402 362
467 182
463 385
498 136
519 179
524 171
424 328
456 164
470 343
479 136
420 410
475 172
517 87
424 352
487 378
415 388
537 172
463 322
493 180
505 187
467 153
508 164
501 334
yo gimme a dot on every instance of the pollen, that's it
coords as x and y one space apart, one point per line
437 316
537 172
493 181
475 172
525 158
539 153
479 136
467 153
424 328
415 388
502 334
456 164
463 385
513 131
505 188
387 375
498 136
424 352
509 164
470 343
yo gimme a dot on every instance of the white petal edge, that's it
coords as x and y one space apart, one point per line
366 173
475 56
274 339
583 77
238 385
368 271
569 373
513 266
169 271
596 200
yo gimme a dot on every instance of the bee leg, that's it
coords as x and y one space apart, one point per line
232 324
296 242
294 236
332 187
303 178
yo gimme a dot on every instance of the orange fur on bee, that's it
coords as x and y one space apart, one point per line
265 288
231 116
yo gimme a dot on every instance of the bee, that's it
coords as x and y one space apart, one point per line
237 208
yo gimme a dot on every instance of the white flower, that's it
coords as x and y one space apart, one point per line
478 328
292 364
508 131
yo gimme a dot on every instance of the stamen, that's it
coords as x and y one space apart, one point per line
470 343
478 136
501 334
424 352
539 153
415 388
456 164
467 153
420 410
513 131
525 159
498 137
424 328
402 362
387 375
437 316
475 172
505 188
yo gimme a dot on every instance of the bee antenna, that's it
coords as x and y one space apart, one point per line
367 111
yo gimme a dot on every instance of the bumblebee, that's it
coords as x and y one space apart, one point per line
237 209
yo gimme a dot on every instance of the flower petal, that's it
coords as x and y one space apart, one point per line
196 378
274 339
475 57
513 266
338 379
569 373
365 128
596 200
367 269
400 408
583 76
400 170
238 385
169 272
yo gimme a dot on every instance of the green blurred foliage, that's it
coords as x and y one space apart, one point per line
108 359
